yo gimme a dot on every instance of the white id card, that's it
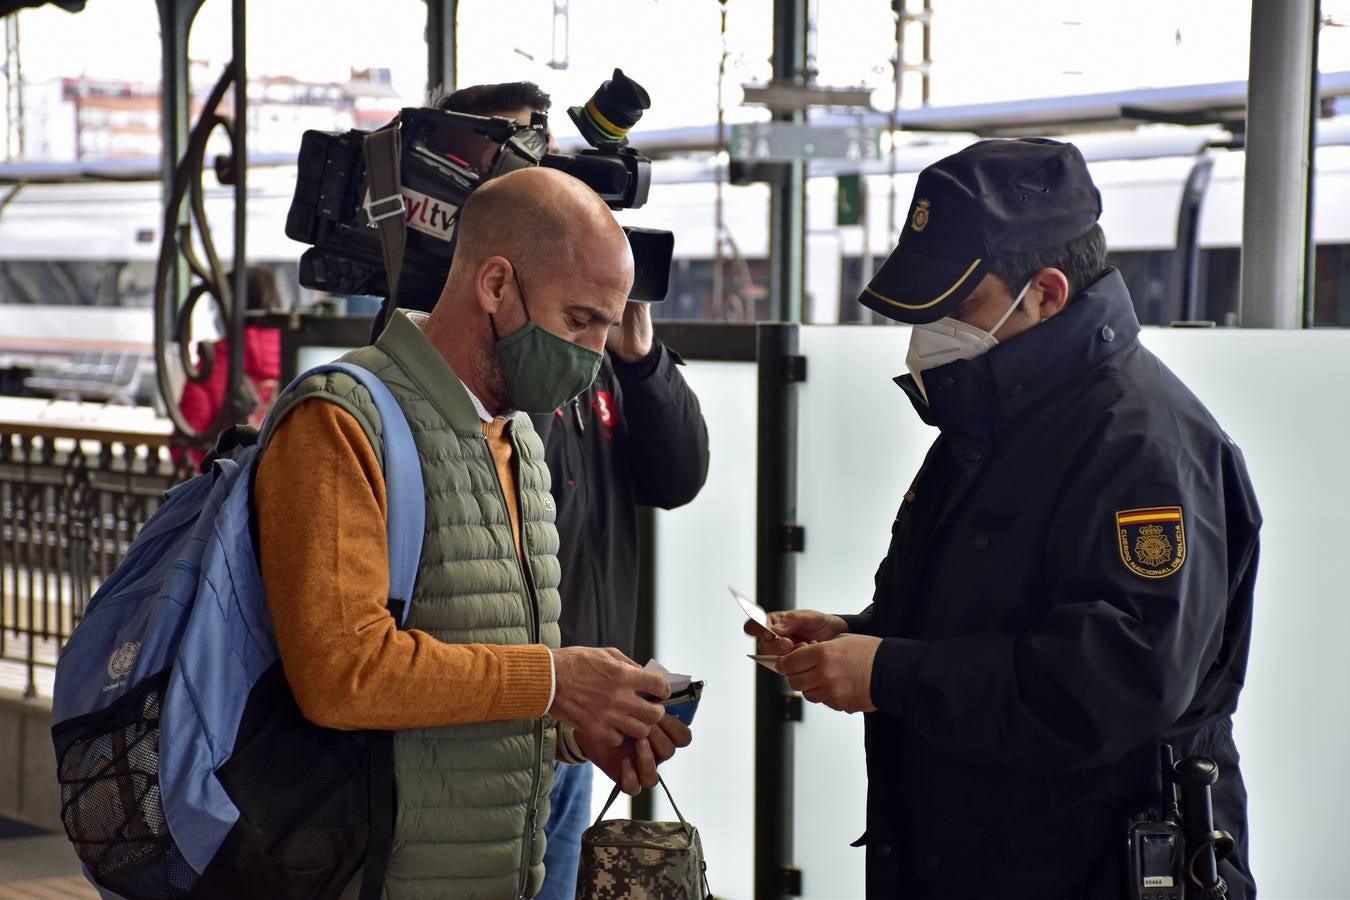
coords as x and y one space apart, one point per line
754 612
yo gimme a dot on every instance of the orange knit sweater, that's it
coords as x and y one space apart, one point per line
321 507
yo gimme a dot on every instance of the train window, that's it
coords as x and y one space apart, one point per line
1220 276
77 282
1147 274
1220 271
1331 305
853 276
745 291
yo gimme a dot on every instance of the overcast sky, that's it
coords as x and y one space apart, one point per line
983 50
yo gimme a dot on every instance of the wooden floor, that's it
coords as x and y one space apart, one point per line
43 866
70 888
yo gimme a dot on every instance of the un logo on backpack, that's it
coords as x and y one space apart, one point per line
186 768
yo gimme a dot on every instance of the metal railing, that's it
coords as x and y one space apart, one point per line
71 500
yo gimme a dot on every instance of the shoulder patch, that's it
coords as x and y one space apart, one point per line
1152 540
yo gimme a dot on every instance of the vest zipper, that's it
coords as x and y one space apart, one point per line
532 607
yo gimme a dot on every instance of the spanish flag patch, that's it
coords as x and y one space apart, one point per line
1152 540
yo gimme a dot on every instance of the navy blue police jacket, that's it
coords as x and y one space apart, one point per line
1068 586
635 437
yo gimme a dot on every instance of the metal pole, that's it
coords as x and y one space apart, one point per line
442 18
1314 111
787 202
927 51
14 148
1274 222
240 287
775 509
175 95
719 201
899 7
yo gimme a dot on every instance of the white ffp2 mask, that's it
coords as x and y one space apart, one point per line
947 340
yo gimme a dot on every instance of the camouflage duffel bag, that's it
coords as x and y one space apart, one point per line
622 859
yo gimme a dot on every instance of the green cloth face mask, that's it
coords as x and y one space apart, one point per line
542 370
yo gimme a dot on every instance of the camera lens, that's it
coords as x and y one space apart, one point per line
613 109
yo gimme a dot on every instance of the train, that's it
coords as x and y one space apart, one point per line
78 253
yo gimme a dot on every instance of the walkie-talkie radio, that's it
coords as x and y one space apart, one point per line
1157 866
1176 856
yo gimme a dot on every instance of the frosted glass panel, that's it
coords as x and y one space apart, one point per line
1284 397
860 445
700 549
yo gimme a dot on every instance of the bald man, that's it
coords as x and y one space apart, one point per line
636 437
475 684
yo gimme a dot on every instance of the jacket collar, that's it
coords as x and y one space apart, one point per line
971 400
405 343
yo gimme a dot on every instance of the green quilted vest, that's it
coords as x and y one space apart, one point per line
472 799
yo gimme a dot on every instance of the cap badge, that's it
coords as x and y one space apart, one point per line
920 220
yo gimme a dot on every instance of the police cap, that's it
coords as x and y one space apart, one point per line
993 198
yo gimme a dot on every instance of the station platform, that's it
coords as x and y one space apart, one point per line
39 865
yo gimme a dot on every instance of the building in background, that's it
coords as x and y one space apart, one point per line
82 118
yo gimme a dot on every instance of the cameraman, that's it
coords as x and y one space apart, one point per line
636 436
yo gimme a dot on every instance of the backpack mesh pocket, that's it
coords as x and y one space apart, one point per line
110 799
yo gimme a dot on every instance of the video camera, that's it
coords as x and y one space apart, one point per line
333 210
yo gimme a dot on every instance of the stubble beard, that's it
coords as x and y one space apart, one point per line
491 376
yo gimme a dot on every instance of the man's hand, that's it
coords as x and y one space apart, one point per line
799 627
632 764
837 672
600 692
632 340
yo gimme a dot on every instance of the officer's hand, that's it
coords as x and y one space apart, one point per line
632 340
600 692
632 764
837 672
798 627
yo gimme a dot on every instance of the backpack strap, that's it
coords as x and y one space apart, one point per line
402 480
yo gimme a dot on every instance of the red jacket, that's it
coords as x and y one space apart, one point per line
201 403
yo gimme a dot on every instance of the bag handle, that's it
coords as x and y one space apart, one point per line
614 795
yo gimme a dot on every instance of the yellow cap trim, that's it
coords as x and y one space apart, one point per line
936 300
604 123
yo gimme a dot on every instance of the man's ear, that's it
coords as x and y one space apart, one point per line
1053 287
493 283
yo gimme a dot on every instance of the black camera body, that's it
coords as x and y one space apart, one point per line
333 212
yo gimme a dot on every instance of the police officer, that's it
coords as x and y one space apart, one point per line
1069 579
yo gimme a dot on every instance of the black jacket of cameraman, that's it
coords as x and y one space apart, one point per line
635 437
1069 584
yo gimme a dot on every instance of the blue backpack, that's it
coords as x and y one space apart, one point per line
186 768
